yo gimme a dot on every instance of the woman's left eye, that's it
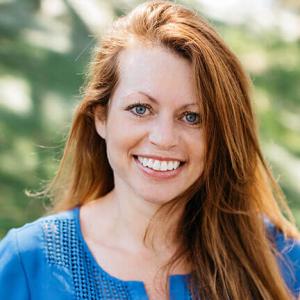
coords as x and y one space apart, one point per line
192 118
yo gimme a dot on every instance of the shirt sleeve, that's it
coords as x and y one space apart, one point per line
13 280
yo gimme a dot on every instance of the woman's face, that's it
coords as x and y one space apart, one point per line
153 131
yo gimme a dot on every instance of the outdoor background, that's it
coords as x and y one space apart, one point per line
45 46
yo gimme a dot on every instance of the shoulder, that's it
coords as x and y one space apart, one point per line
26 253
30 241
287 252
35 243
30 236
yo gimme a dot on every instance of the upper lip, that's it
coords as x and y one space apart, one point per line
157 157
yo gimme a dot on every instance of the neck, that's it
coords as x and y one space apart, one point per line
127 223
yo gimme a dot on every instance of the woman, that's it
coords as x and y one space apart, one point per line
162 191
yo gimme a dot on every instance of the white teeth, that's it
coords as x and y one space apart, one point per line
150 163
170 165
176 164
164 166
145 162
141 160
158 165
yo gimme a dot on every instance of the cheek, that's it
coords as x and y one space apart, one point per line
122 137
197 149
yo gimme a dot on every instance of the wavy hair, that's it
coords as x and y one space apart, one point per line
221 230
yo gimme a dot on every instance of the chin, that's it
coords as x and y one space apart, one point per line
159 200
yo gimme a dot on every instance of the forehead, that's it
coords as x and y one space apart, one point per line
156 71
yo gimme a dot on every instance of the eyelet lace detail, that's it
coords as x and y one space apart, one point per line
64 249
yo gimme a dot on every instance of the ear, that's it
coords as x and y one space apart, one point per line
100 122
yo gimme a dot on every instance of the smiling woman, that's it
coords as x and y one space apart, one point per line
148 120
162 191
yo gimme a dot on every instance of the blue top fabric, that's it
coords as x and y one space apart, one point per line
49 259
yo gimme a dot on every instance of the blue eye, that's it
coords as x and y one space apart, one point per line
192 117
139 109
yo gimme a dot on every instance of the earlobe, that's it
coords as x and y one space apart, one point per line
100 123
100 127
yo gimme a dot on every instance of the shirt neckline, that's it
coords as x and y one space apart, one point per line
76 213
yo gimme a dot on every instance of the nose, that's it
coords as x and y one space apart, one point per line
163 134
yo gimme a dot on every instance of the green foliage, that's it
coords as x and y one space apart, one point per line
43 59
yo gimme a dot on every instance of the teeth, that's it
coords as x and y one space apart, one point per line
176 164
170 165
150 163
144 162
164 166
158 165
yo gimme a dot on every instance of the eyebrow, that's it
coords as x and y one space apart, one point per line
156 101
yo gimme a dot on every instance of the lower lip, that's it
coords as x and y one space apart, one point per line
158 174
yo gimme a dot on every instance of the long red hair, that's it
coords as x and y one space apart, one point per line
222 229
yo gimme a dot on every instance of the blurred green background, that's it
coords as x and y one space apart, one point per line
45 46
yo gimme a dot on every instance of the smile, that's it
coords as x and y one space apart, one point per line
159 165
159 169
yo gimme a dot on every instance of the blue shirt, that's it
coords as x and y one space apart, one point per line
49 259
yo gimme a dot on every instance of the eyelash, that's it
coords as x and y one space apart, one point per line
134 105
145 105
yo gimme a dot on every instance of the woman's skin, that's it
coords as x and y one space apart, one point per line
168 128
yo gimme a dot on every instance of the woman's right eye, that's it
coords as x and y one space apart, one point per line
139 109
